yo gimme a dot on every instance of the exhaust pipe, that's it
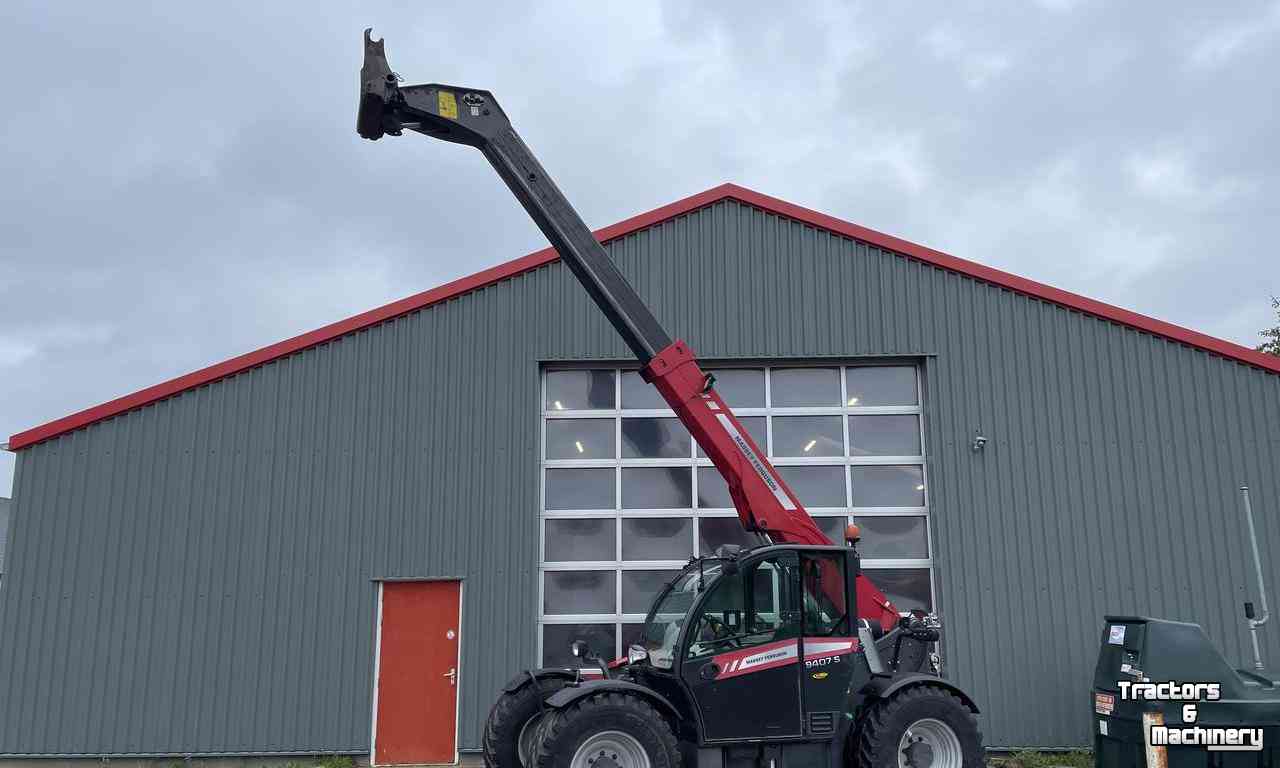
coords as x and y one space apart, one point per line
1255 622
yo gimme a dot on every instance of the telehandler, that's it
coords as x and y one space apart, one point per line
782 655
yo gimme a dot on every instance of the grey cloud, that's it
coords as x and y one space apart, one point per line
184 184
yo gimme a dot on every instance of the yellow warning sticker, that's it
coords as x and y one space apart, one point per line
448 105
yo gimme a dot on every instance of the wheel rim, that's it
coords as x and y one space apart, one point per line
929 743
610 749
525 741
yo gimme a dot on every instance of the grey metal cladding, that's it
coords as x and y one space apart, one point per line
4 529
195 576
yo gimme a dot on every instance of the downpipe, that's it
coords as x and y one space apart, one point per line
1255 622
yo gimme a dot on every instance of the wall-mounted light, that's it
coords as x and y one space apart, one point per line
979 441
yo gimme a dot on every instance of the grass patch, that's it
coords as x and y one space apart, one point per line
1031 759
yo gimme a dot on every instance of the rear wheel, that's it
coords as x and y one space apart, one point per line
920 727
608 730
510 733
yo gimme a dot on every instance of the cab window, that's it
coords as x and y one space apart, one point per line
755 607
826 599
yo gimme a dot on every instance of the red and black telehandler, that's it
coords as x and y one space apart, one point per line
782 655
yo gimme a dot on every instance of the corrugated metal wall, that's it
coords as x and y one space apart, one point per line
4 531
195 577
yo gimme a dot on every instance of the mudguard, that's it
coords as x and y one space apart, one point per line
524 678
884 687
567 696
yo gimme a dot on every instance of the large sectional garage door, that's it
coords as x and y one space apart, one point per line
627 498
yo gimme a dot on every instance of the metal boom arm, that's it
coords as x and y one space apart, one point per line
764 502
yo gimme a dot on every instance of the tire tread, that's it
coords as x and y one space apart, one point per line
508 707
552 728
872 731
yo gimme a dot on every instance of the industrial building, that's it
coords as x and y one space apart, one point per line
234 562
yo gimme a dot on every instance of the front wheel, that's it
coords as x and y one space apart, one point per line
511 729
608 730
920 727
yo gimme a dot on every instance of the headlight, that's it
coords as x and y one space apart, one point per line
636 653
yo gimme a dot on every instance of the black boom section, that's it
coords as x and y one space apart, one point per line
576 245
473 117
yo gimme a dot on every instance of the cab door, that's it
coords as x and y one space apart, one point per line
741 656
830 607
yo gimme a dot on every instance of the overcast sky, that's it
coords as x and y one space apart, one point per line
182 181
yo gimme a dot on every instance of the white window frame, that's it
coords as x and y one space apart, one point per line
694 461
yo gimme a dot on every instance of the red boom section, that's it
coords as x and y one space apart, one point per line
764 502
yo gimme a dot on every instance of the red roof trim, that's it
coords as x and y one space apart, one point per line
547 255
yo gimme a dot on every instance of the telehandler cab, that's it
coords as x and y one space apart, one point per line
782 655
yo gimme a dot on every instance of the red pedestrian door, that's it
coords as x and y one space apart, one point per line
415 710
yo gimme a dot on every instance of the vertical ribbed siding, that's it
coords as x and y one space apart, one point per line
196 576
4 531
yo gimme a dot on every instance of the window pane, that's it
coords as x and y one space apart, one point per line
640 587
578 592
888 486
884 435
575 390
740 387
652 438
637 394
816 486
713 491
881 386
822 576
580 488
807 436
721 617
569 540
833 527
633 634
556 639
906 588
756 428
580 439
714 531
790 387
774 615
657 487
657 538
893 537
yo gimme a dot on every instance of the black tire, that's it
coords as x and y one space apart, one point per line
881 731
569 729
510 714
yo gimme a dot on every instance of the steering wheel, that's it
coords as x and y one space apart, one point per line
720 632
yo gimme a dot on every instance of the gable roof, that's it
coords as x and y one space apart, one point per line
635 223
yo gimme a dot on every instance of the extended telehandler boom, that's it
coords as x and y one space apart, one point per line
775 656
765 504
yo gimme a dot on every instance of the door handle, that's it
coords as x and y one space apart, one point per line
710 671
452 674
